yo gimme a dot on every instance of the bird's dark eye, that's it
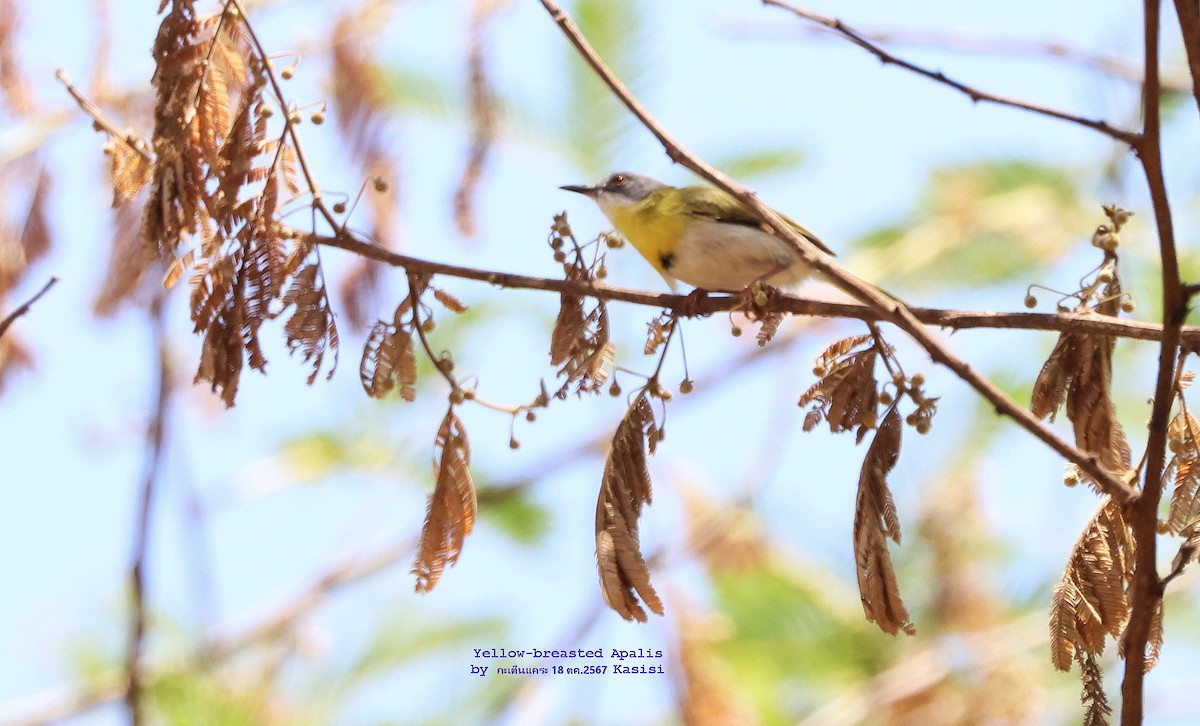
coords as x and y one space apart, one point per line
616 181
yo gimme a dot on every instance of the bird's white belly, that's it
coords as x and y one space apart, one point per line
725 257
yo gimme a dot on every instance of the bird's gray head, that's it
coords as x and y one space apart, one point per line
619 189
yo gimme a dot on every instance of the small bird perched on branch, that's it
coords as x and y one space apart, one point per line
700 235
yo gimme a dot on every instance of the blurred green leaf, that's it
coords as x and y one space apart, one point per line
792 638
412 90
979 224
594 119
317 455
760 163
196 698
514 511
408 639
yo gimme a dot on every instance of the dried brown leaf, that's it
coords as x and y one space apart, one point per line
875 521
389 359
1079 374
15 88
311 328
1090 601
129 172
35 232
580 346
127 262
450 302
770 323
657 332
1184 470
624 576
1155 641
1050 389
846 396
450 516
1093 697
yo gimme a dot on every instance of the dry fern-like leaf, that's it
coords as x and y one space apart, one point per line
129 173
658 331
1093 697
311 328
1079 374
1090 600
1155 641
769 327
846 395
580 346
1183 434
127 262
450 516
389 357
875 521
182 159
14 87
624 576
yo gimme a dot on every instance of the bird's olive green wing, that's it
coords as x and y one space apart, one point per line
722 207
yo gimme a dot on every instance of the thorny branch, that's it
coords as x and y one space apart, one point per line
974 94
23 308
889 308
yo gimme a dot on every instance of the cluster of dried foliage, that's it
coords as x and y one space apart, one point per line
210 188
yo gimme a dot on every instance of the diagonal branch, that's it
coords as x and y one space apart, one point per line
8 320
890 308
976 95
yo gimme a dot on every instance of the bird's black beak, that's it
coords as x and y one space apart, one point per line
586 191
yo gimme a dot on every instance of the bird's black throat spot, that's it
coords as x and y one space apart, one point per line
666 259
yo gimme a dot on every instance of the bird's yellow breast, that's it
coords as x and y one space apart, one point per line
652 228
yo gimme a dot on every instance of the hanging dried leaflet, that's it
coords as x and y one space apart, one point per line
624 576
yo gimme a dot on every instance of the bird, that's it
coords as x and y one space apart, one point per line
699 235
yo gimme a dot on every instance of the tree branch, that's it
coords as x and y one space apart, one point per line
130 138
971 92
8 320
952 319
1143 510
1188 12
155 443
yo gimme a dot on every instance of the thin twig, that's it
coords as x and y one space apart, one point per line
952 319
966 42
976 95
1143 511
24 307
155 440
128 137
